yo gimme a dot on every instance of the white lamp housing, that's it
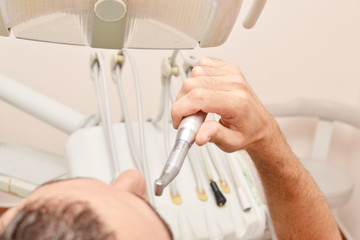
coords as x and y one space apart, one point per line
163 24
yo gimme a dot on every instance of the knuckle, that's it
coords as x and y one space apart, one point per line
208 61
188 85
196 94
233 68
238 97
238 84
197 71
242 99
204 61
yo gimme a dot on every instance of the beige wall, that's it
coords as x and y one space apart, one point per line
298 49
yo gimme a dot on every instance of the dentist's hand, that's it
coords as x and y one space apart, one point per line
219 87
292 195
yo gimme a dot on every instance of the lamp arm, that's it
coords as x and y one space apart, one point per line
254 13
41 106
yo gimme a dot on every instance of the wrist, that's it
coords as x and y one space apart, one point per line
270 136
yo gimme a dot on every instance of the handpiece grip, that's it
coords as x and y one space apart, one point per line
185 137
193 122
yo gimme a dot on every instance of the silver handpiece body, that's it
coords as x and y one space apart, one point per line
185 137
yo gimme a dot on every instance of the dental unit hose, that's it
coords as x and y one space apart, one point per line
185 137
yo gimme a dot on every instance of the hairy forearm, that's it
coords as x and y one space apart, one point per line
297 207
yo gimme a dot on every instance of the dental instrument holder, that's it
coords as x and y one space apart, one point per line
185 137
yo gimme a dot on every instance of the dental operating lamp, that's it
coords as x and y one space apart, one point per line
117 24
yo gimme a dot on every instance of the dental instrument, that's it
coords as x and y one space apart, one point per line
219 197
188 62
220 171
166 75
185 137
171 67
215 160
168 70
199 189
191 62
243 198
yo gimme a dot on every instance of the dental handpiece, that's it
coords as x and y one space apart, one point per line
185 137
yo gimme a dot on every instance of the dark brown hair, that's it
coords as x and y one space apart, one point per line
56 220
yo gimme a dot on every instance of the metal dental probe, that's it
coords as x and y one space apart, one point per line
185 137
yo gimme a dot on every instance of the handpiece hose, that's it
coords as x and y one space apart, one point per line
185 137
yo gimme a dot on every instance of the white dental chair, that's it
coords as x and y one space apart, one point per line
336 185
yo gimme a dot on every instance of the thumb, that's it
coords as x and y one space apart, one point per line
226 139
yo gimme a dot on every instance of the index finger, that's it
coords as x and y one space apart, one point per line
205 100
211 62
214 67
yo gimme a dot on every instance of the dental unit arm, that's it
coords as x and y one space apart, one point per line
185 137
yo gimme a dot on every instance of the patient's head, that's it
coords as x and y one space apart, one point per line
86 209
51 219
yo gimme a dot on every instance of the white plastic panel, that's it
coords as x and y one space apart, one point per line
166 23
65 21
